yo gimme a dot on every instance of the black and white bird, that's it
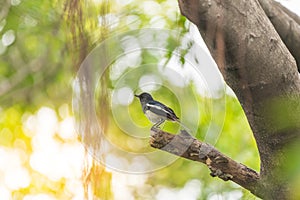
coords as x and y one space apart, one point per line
155 111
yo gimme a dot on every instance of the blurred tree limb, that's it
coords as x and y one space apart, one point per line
82 25
5 6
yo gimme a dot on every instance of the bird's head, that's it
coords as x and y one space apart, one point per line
144 97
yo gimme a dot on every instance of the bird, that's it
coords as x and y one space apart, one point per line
156 111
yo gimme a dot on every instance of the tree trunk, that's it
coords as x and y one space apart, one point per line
253 43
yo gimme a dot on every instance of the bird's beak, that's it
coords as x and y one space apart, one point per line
136 95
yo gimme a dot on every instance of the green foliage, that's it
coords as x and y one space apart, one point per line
11 127
37 55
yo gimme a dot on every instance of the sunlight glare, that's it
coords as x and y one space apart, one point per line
5 193
150 82
17 178
8 38
66 129
46 121
39 197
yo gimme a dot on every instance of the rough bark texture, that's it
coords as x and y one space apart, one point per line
220 165
287 25
251 42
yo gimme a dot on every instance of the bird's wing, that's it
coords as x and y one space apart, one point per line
161 109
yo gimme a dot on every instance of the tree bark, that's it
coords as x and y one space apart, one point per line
220 165
257 64
287 25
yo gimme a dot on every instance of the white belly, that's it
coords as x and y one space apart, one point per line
153 117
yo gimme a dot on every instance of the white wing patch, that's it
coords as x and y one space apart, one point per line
157 107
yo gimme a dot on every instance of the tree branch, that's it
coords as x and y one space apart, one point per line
287 24
220 165
292 15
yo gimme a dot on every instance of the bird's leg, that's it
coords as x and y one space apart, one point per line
158 123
